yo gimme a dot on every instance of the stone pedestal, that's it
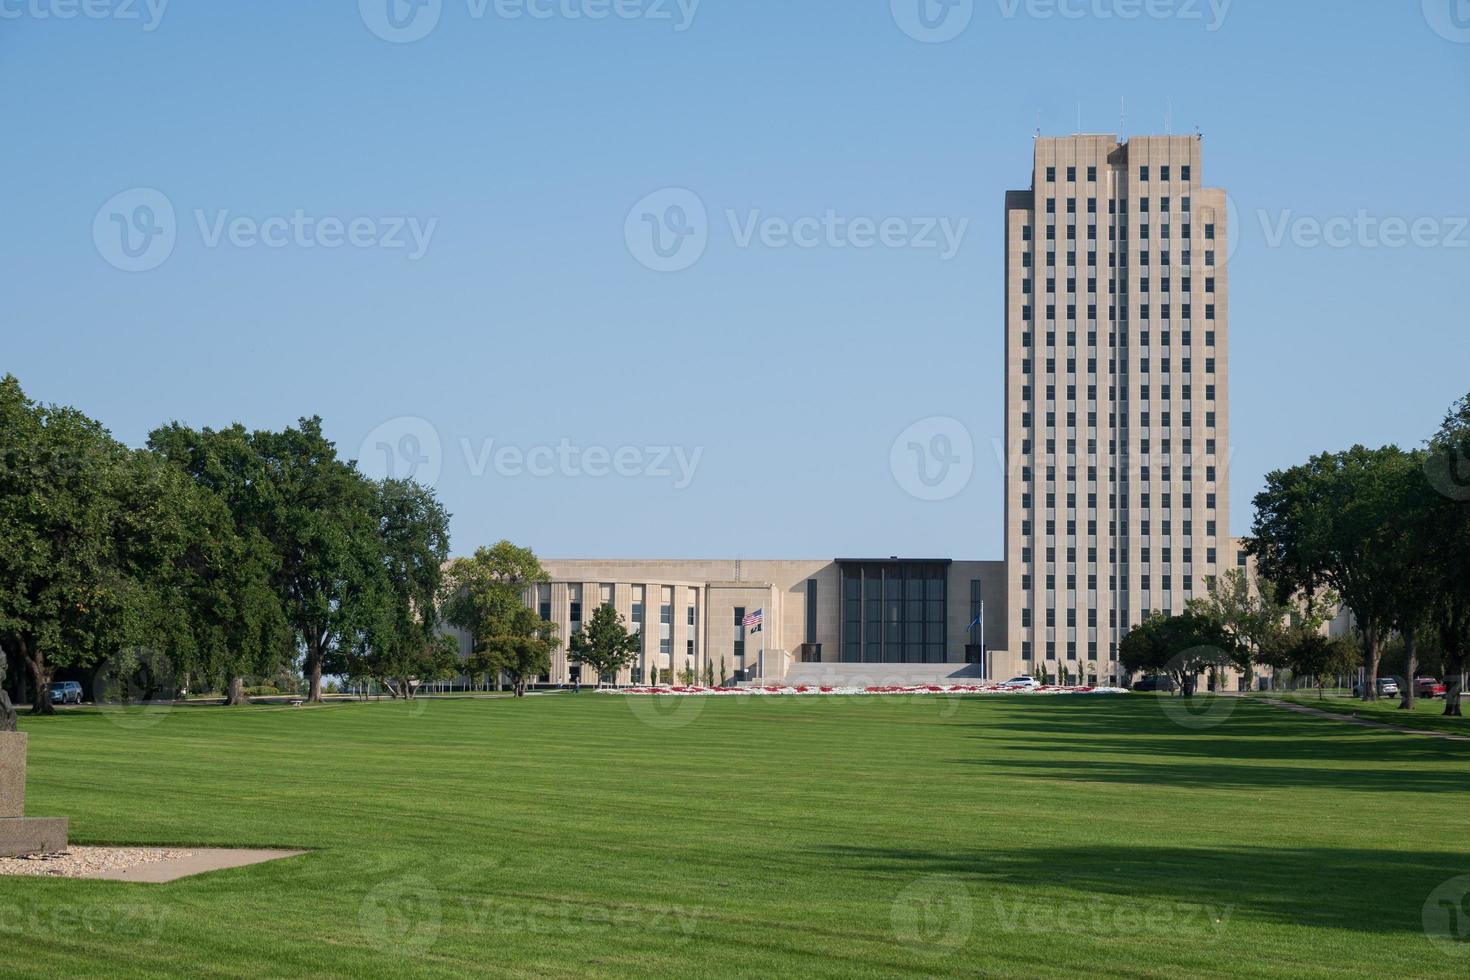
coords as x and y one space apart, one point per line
20 834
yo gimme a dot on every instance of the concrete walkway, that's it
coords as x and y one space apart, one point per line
197 861
1362 722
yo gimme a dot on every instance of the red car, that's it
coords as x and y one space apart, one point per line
1428 687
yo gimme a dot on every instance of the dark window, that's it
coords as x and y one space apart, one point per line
739 631
811 610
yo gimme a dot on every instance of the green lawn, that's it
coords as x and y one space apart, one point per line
573 836
1428 715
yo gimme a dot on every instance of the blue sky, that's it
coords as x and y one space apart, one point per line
454 269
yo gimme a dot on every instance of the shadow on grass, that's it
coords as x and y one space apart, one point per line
1363 891
1230 775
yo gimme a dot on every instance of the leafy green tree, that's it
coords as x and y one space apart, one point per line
319 515
401 642
1308 653
1250 615
65 596
604 644
1337 522
1181 647
231 574
485 595
1446 545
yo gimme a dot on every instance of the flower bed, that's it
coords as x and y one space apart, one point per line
803 690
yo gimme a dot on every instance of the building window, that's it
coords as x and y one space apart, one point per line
739 632
811 610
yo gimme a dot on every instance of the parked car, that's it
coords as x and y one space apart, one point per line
1428 687
1387 688
66 692
1022 683
1156 683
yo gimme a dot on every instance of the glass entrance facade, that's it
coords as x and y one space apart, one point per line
893 611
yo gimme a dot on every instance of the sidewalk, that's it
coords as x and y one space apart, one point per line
1361 722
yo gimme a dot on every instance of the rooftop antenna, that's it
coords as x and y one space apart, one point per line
1038 124
1122 119
1169 117
1079 118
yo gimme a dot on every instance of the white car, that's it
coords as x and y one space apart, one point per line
1022 684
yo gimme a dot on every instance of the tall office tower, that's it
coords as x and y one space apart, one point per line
1117 408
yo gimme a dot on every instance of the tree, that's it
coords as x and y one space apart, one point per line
1310 654
604 644
1250 615
242 624
1181 647
400 642
485 595
522 651
1337 521
1446 545
65 598
318 513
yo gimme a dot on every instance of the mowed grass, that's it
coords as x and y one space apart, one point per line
598 836
1428 714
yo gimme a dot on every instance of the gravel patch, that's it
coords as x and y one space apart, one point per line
86 862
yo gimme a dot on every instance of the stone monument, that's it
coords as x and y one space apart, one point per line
19 834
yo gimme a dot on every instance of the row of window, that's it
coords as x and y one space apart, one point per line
1145 502
1166 172
1145 206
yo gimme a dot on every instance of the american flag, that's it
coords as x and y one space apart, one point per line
752 621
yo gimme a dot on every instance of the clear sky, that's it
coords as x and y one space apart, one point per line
441 243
